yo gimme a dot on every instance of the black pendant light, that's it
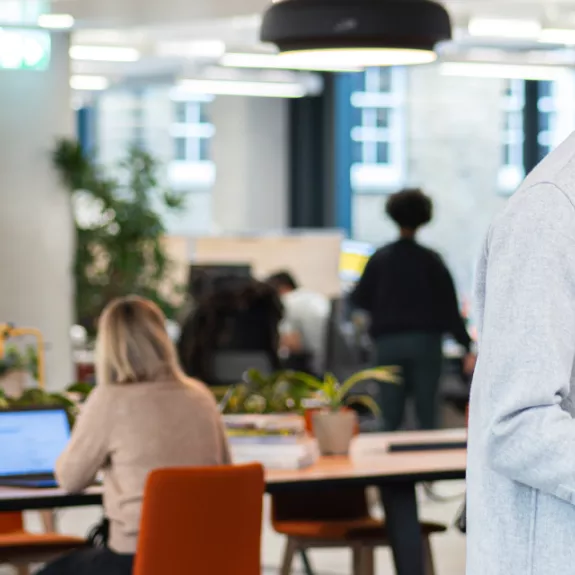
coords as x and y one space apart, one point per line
356 33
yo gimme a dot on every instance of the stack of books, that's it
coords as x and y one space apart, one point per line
277 442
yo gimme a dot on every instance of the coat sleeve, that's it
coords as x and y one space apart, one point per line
527 350
87 451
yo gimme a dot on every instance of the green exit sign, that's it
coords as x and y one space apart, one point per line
23 49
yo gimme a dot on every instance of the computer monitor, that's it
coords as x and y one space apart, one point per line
32 440
353 259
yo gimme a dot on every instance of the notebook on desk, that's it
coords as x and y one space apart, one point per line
31 440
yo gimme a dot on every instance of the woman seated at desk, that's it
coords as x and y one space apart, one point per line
143 415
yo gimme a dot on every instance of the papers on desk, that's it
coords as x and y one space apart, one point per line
277 442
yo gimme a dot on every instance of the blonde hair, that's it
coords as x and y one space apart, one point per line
133 345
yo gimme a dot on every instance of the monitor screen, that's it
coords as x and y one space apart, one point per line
353 259
32 441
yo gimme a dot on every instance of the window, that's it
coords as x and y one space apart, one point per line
512 171
191 131
378 132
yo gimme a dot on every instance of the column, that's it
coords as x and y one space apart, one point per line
36 228
250 151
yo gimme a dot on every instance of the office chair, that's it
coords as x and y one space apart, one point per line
202 520
336 518
21 548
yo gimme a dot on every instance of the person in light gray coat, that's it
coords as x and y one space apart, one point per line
521 461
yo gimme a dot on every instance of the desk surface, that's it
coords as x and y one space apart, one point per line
369 463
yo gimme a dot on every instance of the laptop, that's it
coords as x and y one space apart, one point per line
31 441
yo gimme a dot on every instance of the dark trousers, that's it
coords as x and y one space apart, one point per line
420 357
90 561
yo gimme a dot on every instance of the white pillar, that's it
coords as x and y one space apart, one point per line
250 151
36 231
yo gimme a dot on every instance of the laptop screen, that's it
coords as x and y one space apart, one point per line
32 441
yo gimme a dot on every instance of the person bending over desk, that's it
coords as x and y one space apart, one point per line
143 415
410 297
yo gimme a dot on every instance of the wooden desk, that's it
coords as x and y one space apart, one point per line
370 464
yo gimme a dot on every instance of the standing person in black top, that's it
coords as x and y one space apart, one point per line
409 294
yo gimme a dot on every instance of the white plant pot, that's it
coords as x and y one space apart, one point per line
14 383
334 431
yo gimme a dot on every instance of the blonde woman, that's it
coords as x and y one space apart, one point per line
144 414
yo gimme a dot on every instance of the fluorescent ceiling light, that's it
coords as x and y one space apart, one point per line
241 88
335 58
56 21
273 61
104 53
558 36
505 71
89 83
193 49
505 28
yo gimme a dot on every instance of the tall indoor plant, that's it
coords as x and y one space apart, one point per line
119 229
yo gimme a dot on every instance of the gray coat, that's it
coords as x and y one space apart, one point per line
521 468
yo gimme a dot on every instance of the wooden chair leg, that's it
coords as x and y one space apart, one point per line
289 553
48 518
428 562
368 560
363 559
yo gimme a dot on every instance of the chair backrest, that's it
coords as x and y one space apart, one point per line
331 504
11 523
202 520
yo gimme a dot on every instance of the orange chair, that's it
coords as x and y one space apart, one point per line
336 517
20 548
202 520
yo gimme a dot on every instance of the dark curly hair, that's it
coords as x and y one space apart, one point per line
410 209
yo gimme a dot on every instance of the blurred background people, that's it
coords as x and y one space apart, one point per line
144 414
410 297
239 316
306 316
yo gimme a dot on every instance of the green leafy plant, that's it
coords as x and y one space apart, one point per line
262 394
40 398
336 395
119 230
15 359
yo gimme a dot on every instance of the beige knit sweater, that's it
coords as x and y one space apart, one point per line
129 430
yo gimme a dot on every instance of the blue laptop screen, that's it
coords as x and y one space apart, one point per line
31 441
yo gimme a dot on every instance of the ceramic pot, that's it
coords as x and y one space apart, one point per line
14 383
334 430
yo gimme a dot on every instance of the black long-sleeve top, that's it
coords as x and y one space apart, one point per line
406 287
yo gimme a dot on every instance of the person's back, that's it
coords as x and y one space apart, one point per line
408 293
521 463
307 312
141 427
144 414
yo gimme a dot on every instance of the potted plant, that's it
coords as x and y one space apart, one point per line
334 424
16 369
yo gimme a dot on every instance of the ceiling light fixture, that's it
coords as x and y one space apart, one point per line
561 36
91 83
502 71
56 21
244 88
356 33
104 53
505 28
273 62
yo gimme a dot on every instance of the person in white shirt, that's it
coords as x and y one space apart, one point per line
306 316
